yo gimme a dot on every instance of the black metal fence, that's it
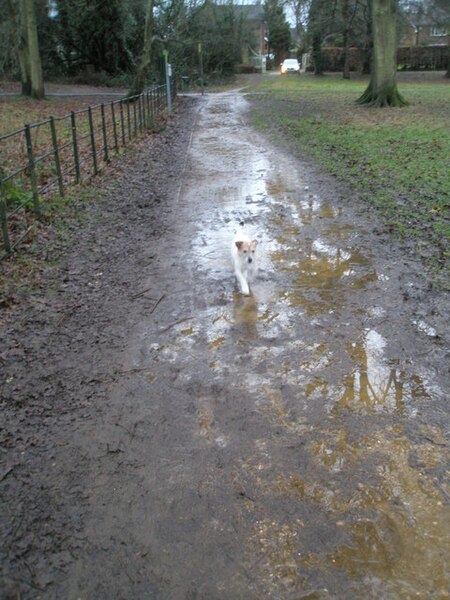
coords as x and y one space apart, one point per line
42 159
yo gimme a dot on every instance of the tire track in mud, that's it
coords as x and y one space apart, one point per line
286 444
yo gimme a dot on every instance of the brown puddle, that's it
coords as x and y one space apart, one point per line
322 274
397 531
402 536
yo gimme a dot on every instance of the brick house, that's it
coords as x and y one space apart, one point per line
423 26
425 35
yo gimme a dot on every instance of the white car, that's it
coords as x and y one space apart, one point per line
290 65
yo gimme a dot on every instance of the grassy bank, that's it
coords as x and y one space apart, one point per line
397 159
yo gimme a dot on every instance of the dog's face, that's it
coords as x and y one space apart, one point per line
246 251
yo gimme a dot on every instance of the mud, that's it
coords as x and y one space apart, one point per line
166 437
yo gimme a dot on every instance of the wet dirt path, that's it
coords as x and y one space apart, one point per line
285 445
290 444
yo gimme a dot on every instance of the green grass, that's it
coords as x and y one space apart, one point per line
397 159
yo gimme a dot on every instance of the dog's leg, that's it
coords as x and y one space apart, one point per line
243 283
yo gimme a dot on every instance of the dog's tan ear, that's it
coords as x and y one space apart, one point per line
239 245
253 244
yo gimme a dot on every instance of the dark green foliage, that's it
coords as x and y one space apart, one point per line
77 36
224 32
321 20
95 34
217 27
97 42
317 55
279 31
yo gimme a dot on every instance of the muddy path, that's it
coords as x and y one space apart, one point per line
167 437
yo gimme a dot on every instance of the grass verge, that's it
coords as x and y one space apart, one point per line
396 159
21 272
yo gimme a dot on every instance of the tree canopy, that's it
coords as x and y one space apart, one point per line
116 43
83 38
279 40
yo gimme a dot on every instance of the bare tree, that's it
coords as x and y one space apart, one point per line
300 9
146 56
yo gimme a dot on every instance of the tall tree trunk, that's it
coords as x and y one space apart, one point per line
317 19
29 55
368 43
346 18
145 60
348 11
448 62
382 89
24 61
317 54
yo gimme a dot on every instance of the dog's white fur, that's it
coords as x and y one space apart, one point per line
243 252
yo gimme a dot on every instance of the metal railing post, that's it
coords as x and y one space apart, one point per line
144 115
129 119
4 222
76 157
134 116
149 110
113 116
56 154
105 137
31 166
140 111
91 131
122 122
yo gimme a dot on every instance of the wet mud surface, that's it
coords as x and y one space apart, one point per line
166 437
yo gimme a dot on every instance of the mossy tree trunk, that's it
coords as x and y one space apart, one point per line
146 57
29 54
382 89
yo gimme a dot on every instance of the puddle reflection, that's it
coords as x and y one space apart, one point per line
402 536
391 538
374 385
245 314
323 274
310 208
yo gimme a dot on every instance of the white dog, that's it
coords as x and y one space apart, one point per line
243 253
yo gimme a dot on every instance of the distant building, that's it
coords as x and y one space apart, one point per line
424 25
